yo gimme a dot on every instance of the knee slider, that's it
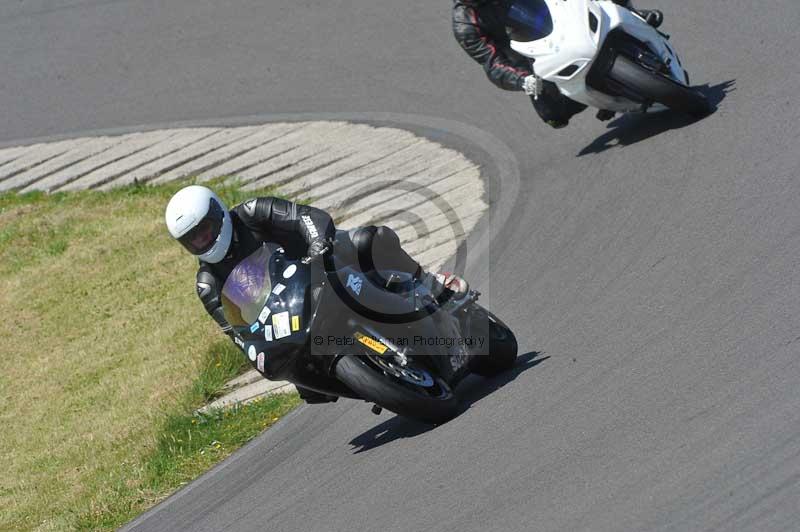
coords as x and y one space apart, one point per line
362 238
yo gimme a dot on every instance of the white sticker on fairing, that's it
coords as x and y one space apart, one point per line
268 333
289 271
251 353
264 315
260 362
278 289
238 341
280 324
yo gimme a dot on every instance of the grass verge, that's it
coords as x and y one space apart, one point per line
106 354
188 443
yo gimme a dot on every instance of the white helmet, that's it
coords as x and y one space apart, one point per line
198 219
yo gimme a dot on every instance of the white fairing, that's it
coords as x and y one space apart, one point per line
187 208
574 42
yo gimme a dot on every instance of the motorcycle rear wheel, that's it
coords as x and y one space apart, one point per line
436 404
659 88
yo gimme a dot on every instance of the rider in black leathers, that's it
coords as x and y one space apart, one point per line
479 27
303 230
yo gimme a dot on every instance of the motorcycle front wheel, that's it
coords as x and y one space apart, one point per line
416 394
502 343
659 88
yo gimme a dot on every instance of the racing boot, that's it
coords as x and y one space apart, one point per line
314 398
605 115
654 17
445 285
555 108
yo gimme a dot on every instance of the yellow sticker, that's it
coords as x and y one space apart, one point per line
371 343
295 323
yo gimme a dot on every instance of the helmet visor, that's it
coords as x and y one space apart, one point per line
528 20
203 236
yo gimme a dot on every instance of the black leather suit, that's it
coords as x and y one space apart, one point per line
479 27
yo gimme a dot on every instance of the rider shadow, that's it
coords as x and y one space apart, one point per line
472 390
632 128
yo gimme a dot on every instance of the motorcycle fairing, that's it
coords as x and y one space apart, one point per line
320 303
581 27
257 296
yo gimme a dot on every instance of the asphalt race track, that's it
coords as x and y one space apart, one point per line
650 267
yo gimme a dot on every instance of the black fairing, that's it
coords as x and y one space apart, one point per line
314 304
620 43
281 333
407 310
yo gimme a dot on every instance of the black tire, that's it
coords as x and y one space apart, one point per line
502 345
659 88
372 384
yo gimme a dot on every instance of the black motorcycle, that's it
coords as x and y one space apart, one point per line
380 337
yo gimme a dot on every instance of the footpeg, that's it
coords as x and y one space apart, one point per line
392 280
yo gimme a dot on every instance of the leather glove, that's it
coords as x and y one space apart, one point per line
532 85
235 338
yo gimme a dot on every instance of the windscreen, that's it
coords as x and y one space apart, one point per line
528 20
247 288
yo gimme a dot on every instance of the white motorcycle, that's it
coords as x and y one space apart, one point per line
603 55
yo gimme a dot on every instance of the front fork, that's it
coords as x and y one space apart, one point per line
460 359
